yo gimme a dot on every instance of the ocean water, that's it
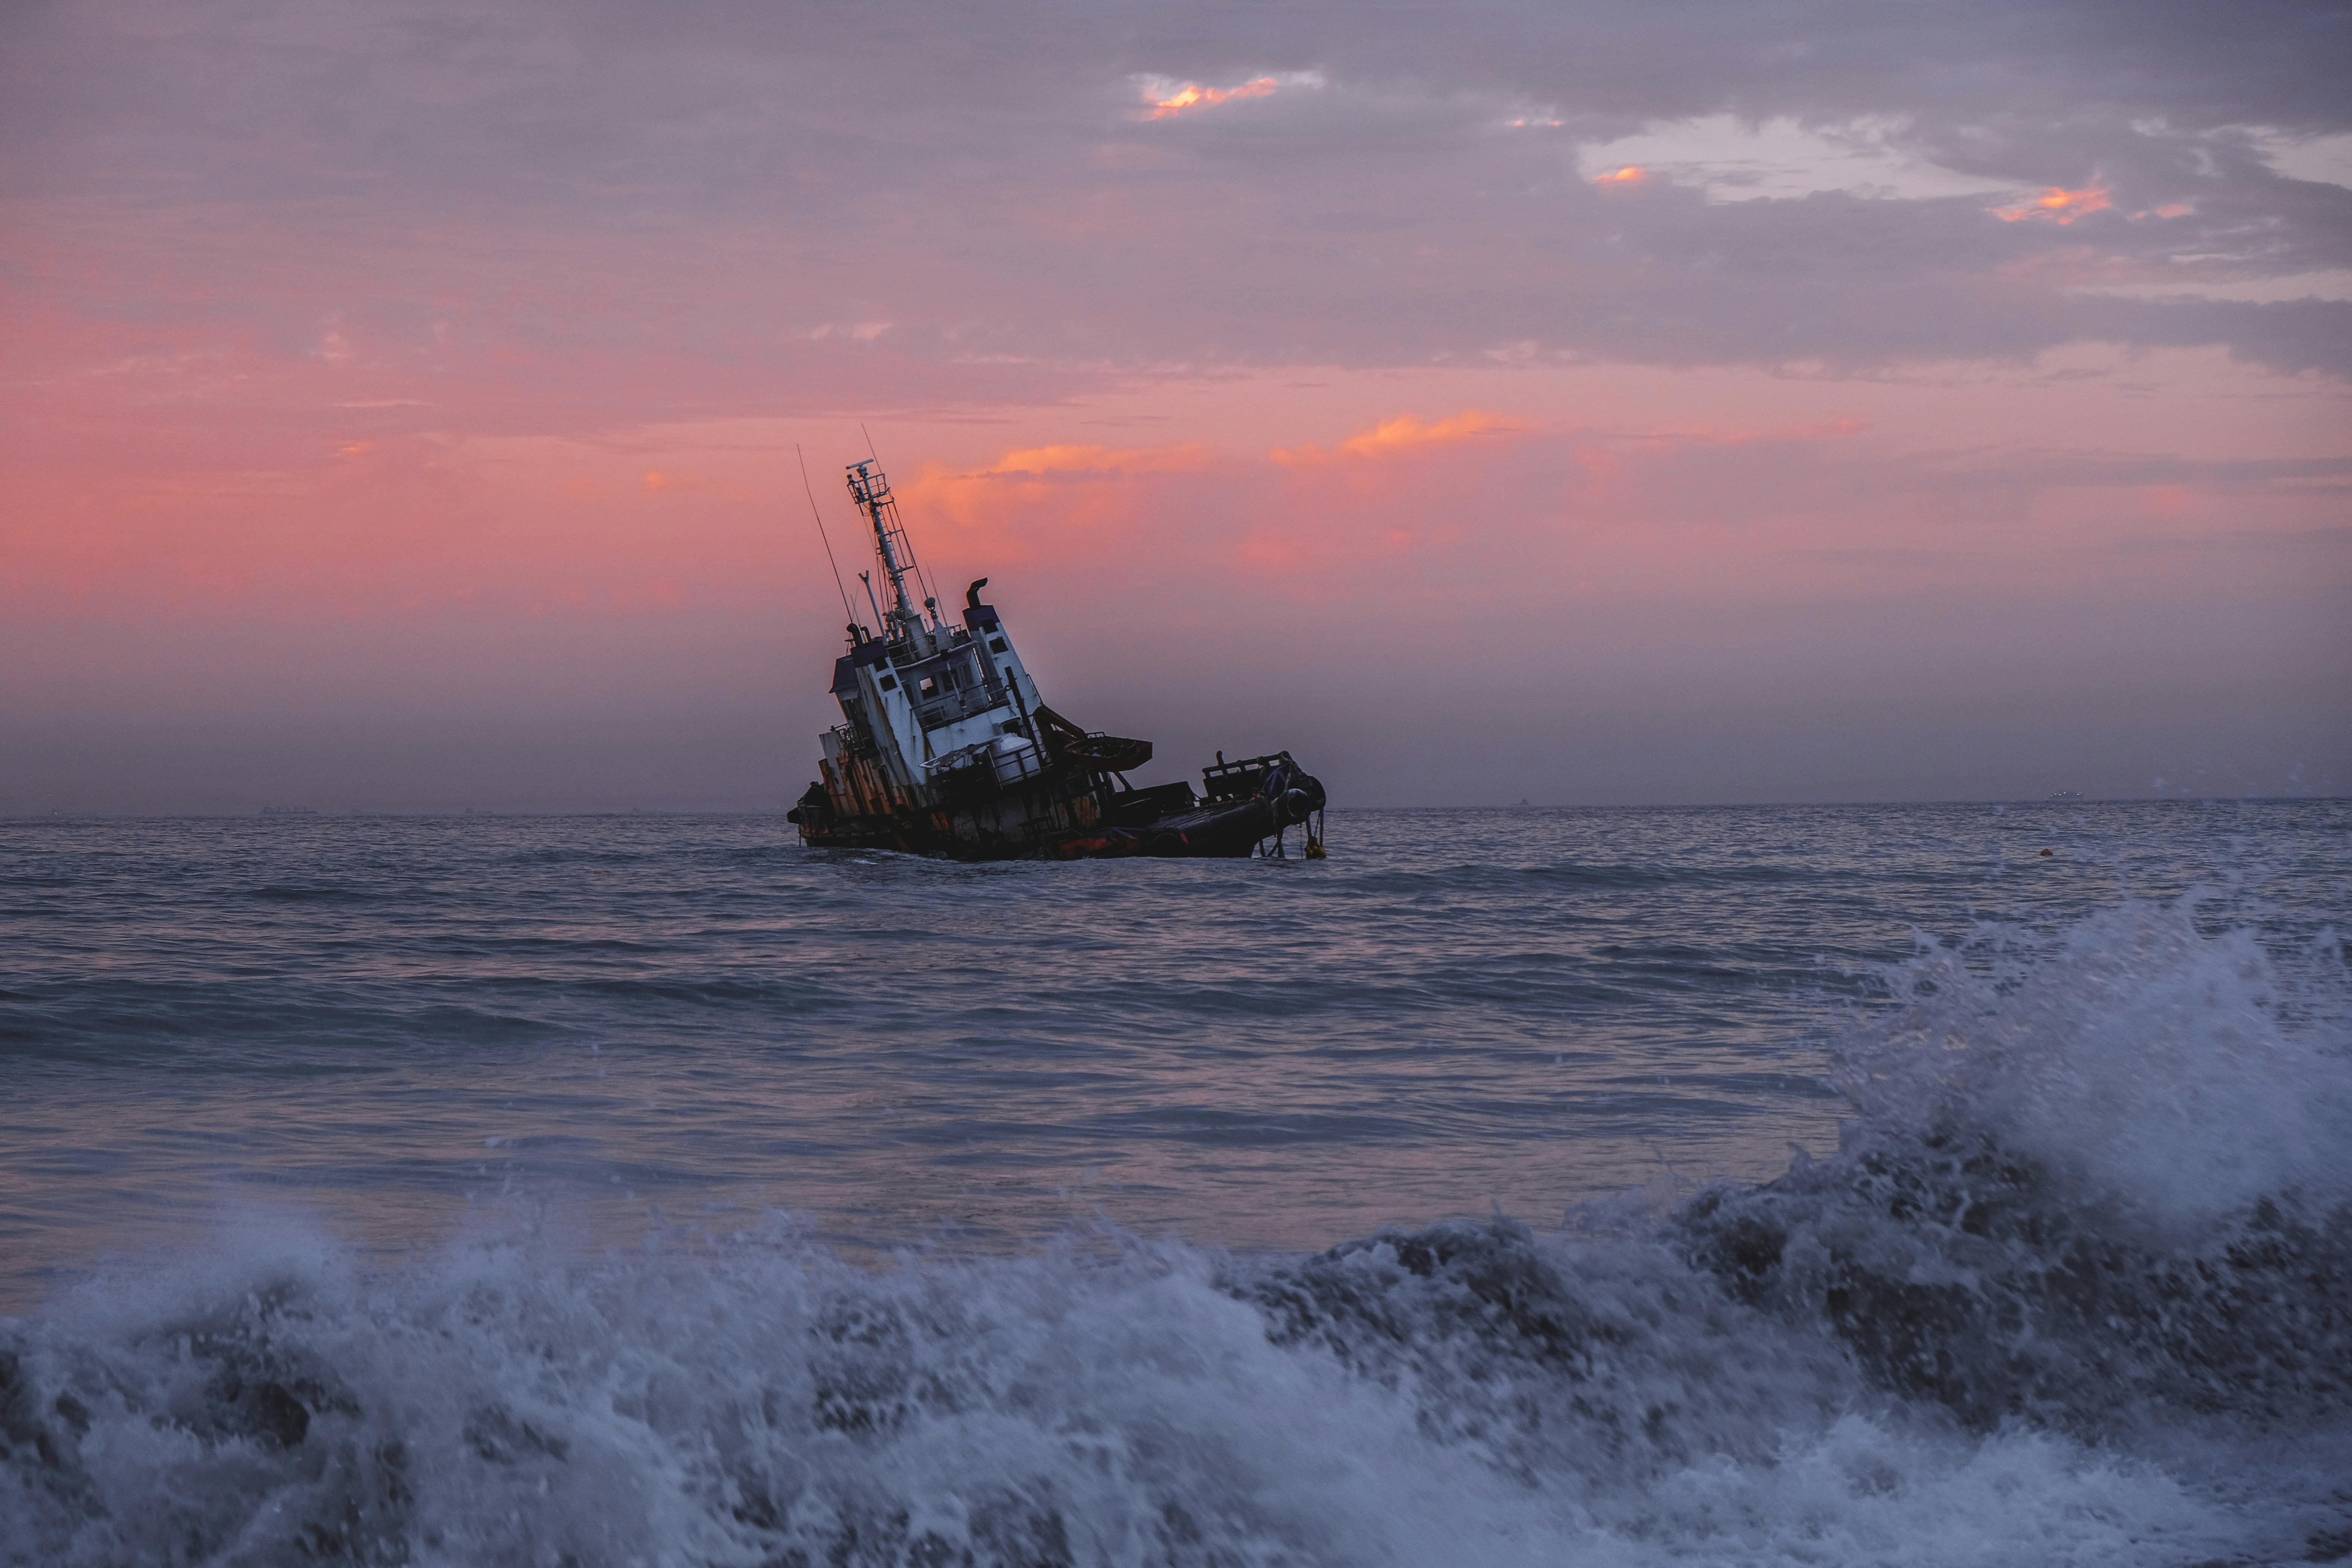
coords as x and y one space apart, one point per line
1831 1185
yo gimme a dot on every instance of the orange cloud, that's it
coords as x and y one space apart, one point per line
2058 204
1041 462
1631 175
1193 95
1403 433
996 511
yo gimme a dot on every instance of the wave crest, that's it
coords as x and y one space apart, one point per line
2076 1286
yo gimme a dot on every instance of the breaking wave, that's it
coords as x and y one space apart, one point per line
2075 1288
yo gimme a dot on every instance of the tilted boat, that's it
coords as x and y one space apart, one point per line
946 748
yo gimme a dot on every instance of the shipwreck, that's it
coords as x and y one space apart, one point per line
945 747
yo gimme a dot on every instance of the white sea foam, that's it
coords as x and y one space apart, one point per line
2072 1292
785 1409
2144 1062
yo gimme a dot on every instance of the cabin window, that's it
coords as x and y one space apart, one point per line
996 645
888 683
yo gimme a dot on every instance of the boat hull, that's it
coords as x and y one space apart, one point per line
1064 818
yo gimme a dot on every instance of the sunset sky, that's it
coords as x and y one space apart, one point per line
1581 402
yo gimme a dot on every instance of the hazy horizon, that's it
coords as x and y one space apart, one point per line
297 812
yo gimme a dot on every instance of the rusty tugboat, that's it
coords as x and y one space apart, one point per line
946 748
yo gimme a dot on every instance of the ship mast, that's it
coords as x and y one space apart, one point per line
871 491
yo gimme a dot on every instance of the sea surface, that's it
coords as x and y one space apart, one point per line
1955 1184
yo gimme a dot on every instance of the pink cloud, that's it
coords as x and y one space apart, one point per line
1190 96
2058 204
338 366
1405 433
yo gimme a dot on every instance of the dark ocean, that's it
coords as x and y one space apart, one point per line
1839 1186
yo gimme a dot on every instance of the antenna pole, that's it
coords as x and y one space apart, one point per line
871 491
819 516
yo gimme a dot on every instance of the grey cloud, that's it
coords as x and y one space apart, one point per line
1974 71
2288 335
704 182
2329 549
2278 475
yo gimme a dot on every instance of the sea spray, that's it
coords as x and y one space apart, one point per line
2108 1180
2026 1313
1057 1410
